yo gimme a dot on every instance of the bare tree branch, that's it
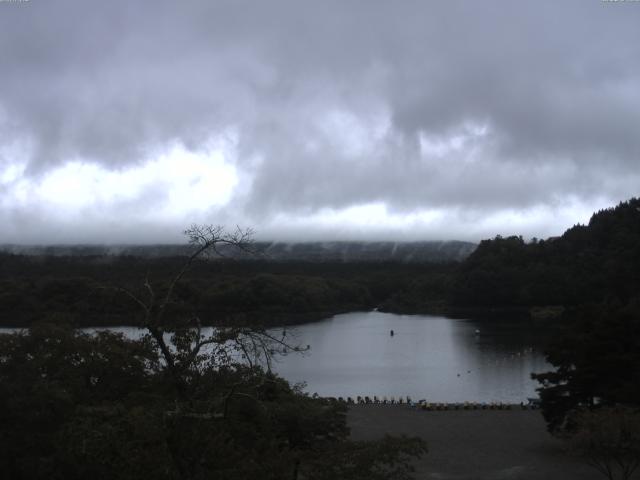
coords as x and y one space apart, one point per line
188 345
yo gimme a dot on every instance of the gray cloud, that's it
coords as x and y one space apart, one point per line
485 107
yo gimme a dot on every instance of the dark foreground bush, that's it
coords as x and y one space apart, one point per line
77 406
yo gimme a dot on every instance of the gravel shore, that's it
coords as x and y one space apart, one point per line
474 444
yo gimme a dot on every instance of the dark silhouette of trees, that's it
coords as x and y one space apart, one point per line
593 263
175 404
597 363
218 291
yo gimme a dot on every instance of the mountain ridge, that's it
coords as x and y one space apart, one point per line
325 251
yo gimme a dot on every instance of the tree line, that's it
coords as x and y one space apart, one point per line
597 262
176 404
219 290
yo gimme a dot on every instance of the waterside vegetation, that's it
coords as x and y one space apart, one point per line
176 404
76 405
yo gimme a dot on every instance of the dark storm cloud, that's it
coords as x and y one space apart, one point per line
484 106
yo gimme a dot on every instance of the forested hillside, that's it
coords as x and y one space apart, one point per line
88 290
588 263
591 263
584 288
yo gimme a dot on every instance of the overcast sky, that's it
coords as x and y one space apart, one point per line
126 121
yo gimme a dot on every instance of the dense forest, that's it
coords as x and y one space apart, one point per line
87 290
588 263
596 262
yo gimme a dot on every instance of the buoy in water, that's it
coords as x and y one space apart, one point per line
391 333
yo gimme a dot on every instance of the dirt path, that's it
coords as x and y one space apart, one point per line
474 444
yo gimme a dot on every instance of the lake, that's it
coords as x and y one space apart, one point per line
432 357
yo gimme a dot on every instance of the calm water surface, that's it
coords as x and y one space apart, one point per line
436 358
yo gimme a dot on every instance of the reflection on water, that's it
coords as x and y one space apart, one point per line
437 358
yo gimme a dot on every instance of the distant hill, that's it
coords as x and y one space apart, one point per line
598 262
408 252
371 251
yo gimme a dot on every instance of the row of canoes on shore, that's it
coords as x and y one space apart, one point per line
430 406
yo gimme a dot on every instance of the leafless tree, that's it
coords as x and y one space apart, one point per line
187 346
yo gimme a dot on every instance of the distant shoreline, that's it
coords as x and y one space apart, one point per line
279 319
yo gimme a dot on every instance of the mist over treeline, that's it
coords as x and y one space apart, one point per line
588 263
348 251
